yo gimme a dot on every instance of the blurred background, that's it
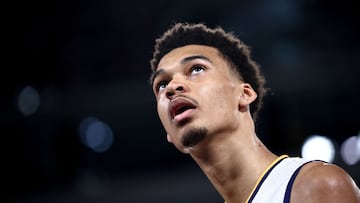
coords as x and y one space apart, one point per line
78 121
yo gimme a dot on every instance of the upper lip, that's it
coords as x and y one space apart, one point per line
179 105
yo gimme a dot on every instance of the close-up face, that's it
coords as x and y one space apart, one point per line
197 95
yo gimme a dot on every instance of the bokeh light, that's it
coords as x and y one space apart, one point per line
319 148
350 150
96 134
28 101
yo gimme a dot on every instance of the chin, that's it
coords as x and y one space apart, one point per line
193 136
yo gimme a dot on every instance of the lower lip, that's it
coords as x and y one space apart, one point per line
184 115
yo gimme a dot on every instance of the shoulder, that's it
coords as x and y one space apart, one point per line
323 182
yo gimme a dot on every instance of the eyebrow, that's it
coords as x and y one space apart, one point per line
183 61
191 58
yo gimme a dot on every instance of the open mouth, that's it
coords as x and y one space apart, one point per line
179 106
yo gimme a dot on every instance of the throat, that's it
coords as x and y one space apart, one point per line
232 166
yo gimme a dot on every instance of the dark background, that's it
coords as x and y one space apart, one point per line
91 59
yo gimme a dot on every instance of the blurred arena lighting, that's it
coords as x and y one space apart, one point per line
350 150
319 148
28 100
95 134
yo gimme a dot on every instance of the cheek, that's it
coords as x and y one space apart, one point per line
162 111
226 108
222 97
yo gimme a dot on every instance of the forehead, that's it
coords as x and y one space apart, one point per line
176 55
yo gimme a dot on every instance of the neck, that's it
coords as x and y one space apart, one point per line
233 163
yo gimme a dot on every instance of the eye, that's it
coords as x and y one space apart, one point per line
161 85
197 69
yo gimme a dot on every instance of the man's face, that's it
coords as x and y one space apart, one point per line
197 95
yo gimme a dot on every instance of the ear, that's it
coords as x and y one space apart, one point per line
247 95
168 138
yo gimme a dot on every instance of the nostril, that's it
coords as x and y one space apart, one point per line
169 94
179 88
174 88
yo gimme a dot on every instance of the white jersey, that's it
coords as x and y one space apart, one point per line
276 182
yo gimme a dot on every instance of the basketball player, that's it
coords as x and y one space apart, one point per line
208 92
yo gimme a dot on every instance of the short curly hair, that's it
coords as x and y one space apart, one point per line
234 51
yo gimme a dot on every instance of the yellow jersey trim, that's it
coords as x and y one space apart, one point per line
263 174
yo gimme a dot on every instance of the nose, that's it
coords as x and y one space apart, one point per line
175 87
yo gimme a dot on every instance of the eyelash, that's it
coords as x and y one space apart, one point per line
196 66
192 68
161 83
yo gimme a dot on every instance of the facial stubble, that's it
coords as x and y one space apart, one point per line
194 136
